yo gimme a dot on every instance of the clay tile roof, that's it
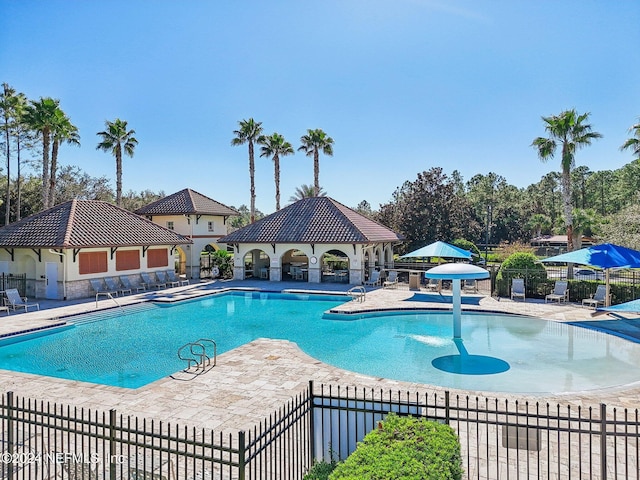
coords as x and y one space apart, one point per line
313 220
86 223
186 202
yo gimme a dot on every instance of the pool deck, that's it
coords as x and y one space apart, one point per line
256 379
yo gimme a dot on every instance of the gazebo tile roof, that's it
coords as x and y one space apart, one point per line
313 220
86 223
186 201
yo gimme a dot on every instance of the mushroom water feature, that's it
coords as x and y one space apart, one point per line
464 363
457 272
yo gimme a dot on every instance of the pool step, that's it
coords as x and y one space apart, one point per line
98 316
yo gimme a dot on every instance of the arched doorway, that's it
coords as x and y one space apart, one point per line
295 265
256 264
180 261
335 267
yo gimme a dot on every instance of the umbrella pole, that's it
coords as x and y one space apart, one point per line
607 298
457 309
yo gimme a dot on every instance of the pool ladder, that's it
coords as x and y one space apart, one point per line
199 355
357 293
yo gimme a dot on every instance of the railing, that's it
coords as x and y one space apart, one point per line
18 281
198 356
357 293
499 438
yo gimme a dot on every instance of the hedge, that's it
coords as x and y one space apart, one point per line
404 448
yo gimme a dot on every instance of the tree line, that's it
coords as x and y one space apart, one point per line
435 206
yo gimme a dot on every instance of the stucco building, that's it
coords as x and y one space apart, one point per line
314 240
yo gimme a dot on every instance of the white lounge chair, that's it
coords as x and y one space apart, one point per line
517 289
15 301
560 293
174 279
433 285
470 286
374 279
163 280
392 280
596 299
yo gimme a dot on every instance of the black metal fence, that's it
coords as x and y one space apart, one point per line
17 280
499 439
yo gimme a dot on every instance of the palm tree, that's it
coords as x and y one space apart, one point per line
12 107
571 132
62 131
312 143
306 191
249 132
539 223
633 143
275 146
41 117
116 139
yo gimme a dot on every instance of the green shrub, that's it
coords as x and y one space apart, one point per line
404 448
466 245
521 265
321 470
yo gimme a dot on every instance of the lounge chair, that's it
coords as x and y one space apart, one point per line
112 285
517 289
470 286
433 285
596 299
163 280
126 283
374 279
173 278
560 293
15 301
392 280
102 289
147 282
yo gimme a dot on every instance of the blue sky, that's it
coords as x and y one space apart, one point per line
401 85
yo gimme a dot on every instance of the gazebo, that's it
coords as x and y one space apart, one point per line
295 242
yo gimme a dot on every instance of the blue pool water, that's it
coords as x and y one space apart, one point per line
499 353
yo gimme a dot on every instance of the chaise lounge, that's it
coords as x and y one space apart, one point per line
560 293
15 301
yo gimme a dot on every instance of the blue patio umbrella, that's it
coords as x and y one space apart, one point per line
439 249
605 256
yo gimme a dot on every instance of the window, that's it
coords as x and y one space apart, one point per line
158 257
170 225
127 260
92 262
211 226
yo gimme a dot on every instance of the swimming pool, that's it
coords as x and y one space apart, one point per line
137 346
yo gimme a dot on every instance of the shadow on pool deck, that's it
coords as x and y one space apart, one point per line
627 328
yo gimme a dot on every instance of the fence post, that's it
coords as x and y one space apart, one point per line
10 434
241 455
112 444
312 430
446 406
603 441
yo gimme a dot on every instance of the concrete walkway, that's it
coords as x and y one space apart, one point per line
256 379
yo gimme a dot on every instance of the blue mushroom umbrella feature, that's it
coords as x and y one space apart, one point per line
605 256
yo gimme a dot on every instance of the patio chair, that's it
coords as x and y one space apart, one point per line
433 285
596 299
470 286
102 289
112 285
15 301
148 283
560 293
173 278
392 280
374 279
517 289
126 283
163 280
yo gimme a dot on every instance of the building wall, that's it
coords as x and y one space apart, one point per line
203 231
69 278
